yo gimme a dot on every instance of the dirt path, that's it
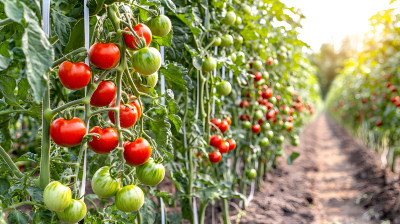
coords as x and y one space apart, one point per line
333 172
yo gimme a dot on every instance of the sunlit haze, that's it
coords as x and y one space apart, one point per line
329 21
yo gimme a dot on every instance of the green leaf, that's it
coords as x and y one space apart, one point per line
36 193
197 62
7 87
23 88
292 157
14 10
162 129
4 62
164 41
29 156
148 212
4 186
76 39
17 217
62 26
176 120
173 74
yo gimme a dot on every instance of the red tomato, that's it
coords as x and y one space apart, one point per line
394 99
107 142
244 104
258 76
214 157
136 104
269 105
228 120
378 123
74 75
142 31
290 119
138 152
364 101
224 147
244 117
270 114
256 128
217 122
232 144
270 61
104 94
260 122
216 140
67 133
128 116
223 127
267 93
104 56
278 98
388 84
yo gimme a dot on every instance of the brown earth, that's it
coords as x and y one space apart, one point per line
336 179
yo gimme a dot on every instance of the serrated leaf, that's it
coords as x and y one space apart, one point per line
36 193
29 156
176 120
7 87
197 62
4 186
162 129
164 41
148 212
62 26
23 88
173 74
17 217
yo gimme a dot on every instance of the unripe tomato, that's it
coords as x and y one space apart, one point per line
103 184
141 30
129 199
217 41
265 75
246 9
104 94
232 56
266 126
251 174
74 213
239 41
264 142
107 142
127 116
258 115
57 196
160 25
246 124
295 140
256 128
279 139
146 61
67 133
215 140
224 147
223 127
257 64
270 134
150 173
229 19
145 83
288 126
238 20
257 76
74 75
224 88
214 157
104 56
232 144
263 108
138 152
209 64
226 40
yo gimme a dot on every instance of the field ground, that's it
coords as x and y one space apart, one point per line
335 180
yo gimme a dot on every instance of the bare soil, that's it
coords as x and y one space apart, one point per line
336 179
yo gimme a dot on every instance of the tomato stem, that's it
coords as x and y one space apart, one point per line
10 163
44 175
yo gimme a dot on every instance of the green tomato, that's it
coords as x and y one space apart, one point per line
263 142
160 25
263 109
103 184
209 64
295 140
279 152
238 21
146 61
238 40
229 19
270 134
272 100
217 41
279 139
74 213
232 57
150 173
278 86
246 9
263 53
246 124
265 75
57 196
251 174
257 64
240 58
226 40
224 88
129 199
145 83
286 110
258 115
266 126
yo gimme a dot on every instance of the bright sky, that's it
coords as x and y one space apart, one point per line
332 20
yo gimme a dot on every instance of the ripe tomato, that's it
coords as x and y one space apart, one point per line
103 184
104 56
128 116
270 114
215 140
244 104
104 94
256 128
267 93
74 213
224 126
244 117
224 88
224 147
160 25
142 31
138 152
107 142
67 133
258 76
145 83
232 144
228 120
129 199
270 61
217 122
214 157
229 18
150 173
74 75
209 64
136 104
57 196
146 61
378 123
